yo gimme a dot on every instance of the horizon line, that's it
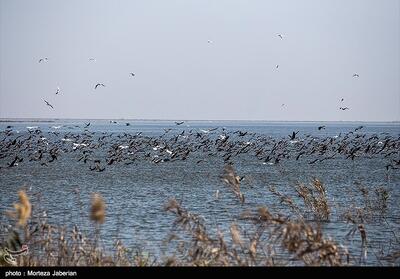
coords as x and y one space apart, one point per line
43 119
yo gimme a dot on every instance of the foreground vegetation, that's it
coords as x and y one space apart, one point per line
258 237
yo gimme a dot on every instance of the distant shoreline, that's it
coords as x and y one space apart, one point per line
52 120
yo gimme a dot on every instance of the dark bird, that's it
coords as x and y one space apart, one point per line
277 66
47 103
280 36
356 75
321 127
293 135
179 123
127 124
87 125
358 128
132 74
99 84
298 156
43 60
343 108
15 161
342 99
58 90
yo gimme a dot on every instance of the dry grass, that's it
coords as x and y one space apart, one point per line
233 181
97 209
23 209
52 245
298 238
258 237
315 199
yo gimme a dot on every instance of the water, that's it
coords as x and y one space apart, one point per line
136 188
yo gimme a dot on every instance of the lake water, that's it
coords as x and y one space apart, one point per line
154 161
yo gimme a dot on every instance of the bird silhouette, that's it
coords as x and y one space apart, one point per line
99 84
293 135
47 103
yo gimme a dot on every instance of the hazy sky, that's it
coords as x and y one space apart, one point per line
201 59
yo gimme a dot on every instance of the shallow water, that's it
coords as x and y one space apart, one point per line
135 193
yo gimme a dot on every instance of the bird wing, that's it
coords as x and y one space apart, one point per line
47 103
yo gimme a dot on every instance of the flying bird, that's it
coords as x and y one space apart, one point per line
132 74
356 75
92 59
43 60
58 90
342 99
280 36
99 84
293 135
179 123
345 108
321 127
47 103
277 66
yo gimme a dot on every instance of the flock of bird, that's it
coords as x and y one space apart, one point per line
45 59
58 91
100 150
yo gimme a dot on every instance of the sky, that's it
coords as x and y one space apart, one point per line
201 59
